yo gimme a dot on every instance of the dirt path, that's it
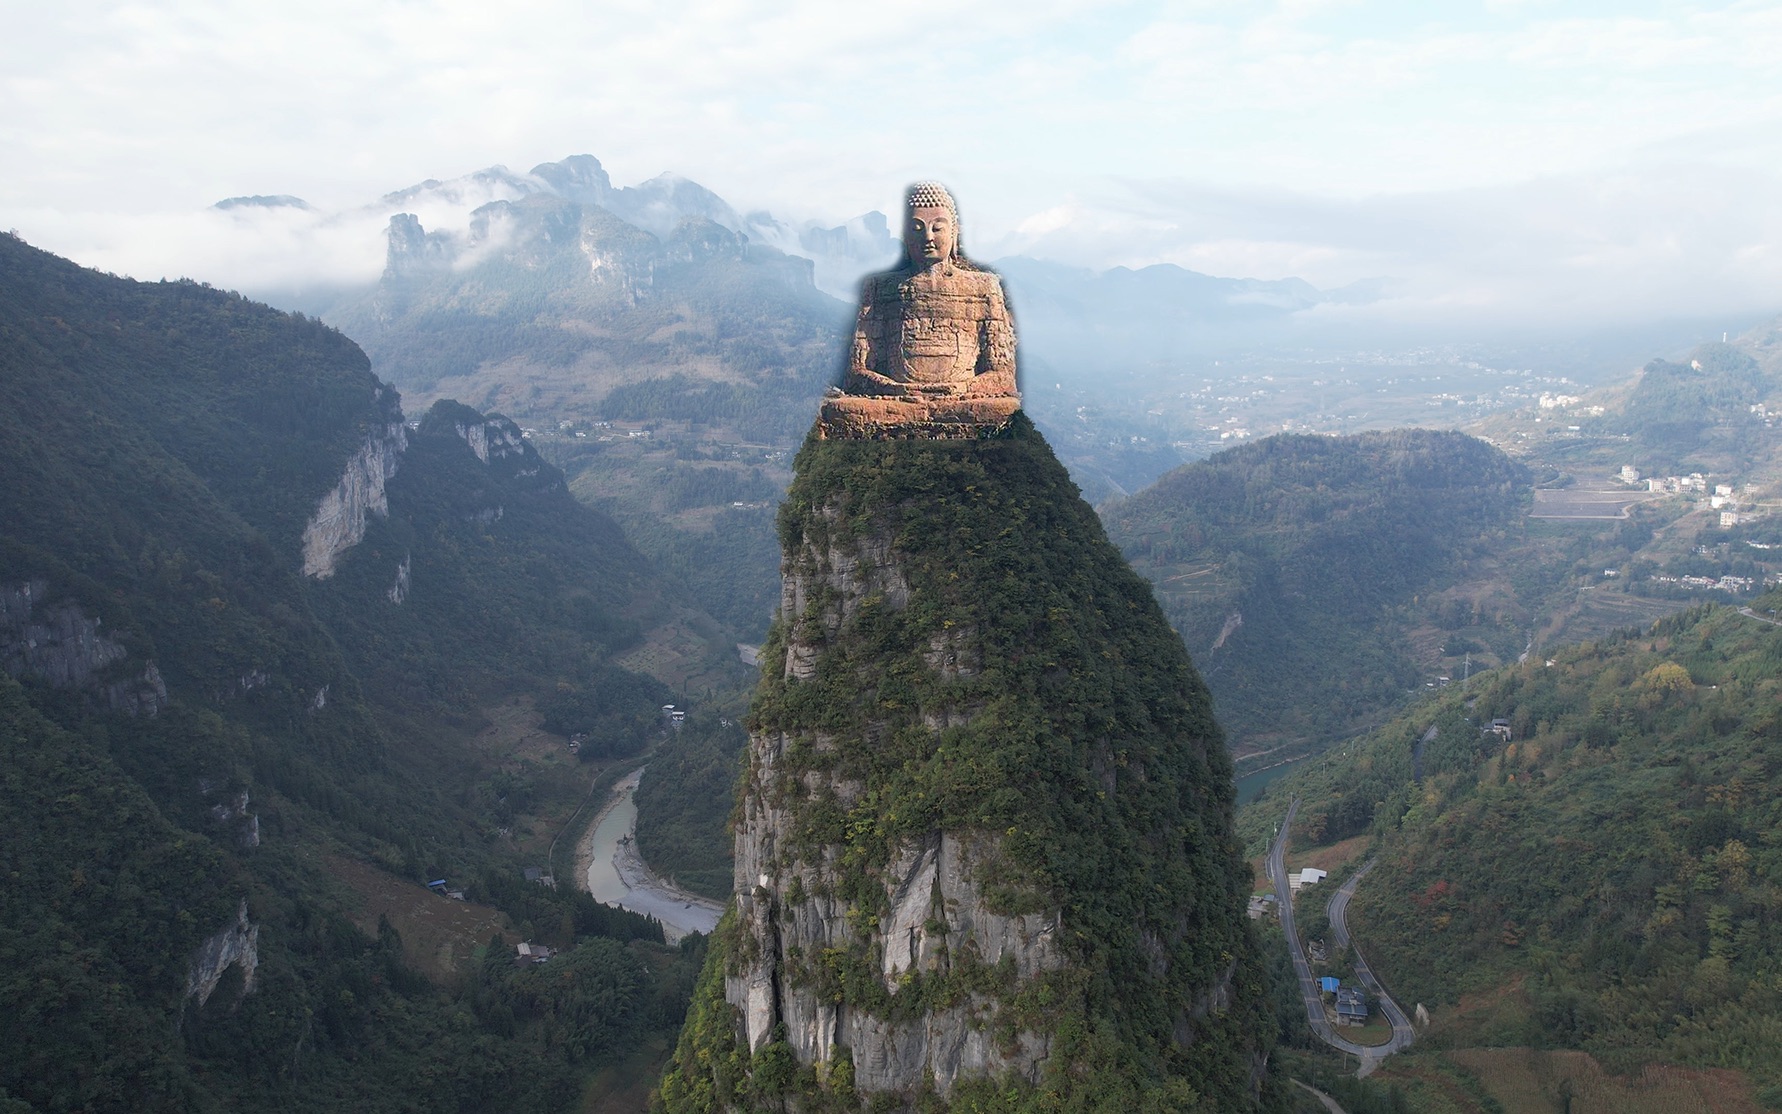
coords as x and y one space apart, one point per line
1330 1104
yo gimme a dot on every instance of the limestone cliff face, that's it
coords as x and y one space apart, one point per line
495 437
411 251
932 909
55 641
621 266
340 517
984 844
237 944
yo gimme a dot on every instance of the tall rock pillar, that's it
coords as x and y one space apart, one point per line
984 850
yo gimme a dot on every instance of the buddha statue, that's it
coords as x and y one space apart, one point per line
933 354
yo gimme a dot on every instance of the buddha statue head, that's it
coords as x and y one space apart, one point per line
930 226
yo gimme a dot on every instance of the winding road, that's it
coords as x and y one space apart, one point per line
1309 991
1338 909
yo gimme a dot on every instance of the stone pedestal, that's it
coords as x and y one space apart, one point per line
868 418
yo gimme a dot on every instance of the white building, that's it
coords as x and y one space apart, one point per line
1310 876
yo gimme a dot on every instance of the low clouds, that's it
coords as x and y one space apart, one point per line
248 249
1672 238
1505 160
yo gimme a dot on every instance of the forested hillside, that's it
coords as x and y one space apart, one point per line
215 764
702 511
507 582
564 316
1697 415
1711 411
1581 851
684 806
1297 567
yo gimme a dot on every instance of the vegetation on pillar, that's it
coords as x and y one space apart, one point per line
1078 738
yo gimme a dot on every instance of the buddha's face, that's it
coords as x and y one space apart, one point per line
929 236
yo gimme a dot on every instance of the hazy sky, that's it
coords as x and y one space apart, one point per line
1501 159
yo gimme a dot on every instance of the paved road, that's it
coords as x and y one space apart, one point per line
1750 614
1402 1033
1309 991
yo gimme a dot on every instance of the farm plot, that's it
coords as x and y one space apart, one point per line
1526 1081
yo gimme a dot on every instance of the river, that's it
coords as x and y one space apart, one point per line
1250 785
613 872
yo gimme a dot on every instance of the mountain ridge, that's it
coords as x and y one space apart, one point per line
223 729
1294 567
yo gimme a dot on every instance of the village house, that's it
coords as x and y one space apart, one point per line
1351 1006
1310 876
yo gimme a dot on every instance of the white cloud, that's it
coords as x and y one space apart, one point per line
279 249
1494 156
1677 239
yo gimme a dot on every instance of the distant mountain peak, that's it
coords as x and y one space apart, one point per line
491 183
264 201
578 177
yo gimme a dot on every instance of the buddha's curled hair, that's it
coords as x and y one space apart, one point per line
923 195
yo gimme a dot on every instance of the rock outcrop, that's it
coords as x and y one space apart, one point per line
232 815
411 251
56 642
237 944
500 445
935 914
985 835
340 518
398 590
493 436
933 908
